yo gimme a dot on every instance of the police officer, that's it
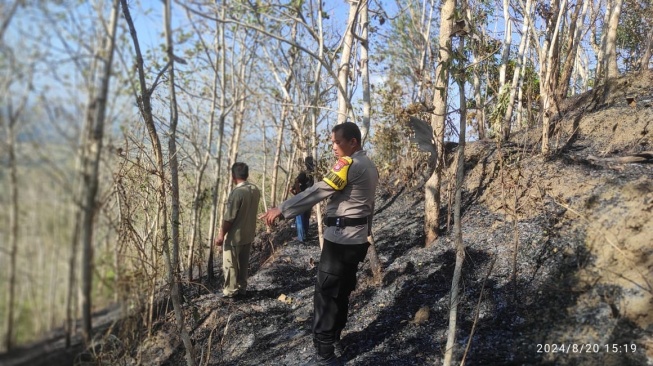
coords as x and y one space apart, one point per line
350 187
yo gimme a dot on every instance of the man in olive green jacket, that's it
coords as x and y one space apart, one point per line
238 231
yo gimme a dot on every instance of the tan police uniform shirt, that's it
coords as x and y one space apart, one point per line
350 194
241 211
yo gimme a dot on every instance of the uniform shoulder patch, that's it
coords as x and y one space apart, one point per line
336 178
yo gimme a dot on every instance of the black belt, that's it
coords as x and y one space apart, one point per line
346 221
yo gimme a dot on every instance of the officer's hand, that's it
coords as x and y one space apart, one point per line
270 216
219 241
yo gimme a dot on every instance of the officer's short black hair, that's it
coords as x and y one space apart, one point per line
349 131
240 171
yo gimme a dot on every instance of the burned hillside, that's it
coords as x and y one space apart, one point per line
557 268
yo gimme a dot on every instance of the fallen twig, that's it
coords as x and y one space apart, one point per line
478 310
208 351
643 157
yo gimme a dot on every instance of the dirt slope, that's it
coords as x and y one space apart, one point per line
558 266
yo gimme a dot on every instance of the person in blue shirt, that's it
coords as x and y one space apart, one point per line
304 180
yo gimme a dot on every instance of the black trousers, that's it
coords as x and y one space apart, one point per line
336 279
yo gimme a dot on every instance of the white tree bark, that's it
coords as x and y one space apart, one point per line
611 39
316 113
499 123
520 88
507 43
286 113
517 73
476 83
222 70
600 44
364 25
546 88
344 70
458 231
425 24
571 47
239 86
277 156
264 177
432 187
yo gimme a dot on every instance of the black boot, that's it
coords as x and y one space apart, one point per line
339 349
325 355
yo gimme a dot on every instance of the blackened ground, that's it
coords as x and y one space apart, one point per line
518 320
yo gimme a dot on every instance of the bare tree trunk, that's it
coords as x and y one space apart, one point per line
599 47
507 43
432 188
201 169
646 57
173 258
96 115
200 162
6 18
77 211
53 285
277 157
375 262
218 162
517 72
479 99
424 77
286 111
458 232
9 123
13 217
611 40
195 218
503 124
581 74
315 115
290 171
345 64
71 299
549 70
573 43
364 24
237 129
520 88
146 112
265 164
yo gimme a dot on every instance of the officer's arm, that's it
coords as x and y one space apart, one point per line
303 201
334 181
